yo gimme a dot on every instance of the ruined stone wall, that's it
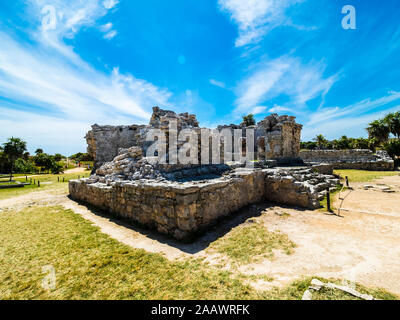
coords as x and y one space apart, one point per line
361 159
281 136
105 141
183 209
276 137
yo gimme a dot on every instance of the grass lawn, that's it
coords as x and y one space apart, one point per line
249 243
47 182
363 175
90 265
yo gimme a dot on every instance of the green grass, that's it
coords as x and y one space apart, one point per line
44 184
363 175
249 243
90 265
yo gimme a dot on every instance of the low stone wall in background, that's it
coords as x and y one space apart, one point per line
360 159
181 209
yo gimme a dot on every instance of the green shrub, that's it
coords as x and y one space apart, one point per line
393 148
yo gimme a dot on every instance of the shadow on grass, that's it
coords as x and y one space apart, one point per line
201 239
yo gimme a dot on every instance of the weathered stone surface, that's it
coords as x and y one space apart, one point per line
182 199
182 209
281 136
350 159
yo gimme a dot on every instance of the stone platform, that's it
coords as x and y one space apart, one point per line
182 209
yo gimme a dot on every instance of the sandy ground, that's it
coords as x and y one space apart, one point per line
360 245
75 170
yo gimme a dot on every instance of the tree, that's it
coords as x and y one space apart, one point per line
379 131
392 120
44 161
320 141
360 143
57 168
58 157
26 155
39 151
249 120
14 148
24 166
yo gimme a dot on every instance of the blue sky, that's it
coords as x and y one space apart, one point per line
65 65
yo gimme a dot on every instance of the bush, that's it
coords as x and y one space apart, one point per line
57 168
393 148
24 166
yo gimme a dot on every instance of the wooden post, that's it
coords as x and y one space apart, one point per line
328 199
34 181
347 181
38 183
58 179
63 179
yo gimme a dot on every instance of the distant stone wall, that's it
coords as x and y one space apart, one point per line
361 159
183 209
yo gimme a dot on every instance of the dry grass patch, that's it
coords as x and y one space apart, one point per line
252 242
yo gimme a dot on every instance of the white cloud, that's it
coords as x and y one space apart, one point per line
256 17
217 83
282 76
106 27
352 126
368 105
110 35
258 110
350 120
37 76
277 109
109 4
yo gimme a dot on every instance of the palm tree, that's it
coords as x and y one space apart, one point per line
320 140
39 151
14 148
249 120
379 131
392 120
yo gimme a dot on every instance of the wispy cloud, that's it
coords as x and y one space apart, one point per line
110 35
350 120
282 76
109 4
106 27
47 75
217 83
37 77
107 30
277 109
255 18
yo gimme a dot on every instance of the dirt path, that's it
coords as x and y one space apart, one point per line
75 170
361 246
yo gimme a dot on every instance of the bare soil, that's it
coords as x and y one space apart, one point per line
361 245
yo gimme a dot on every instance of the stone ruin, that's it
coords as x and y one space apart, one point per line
181 200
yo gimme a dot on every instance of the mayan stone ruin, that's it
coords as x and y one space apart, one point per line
182 199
